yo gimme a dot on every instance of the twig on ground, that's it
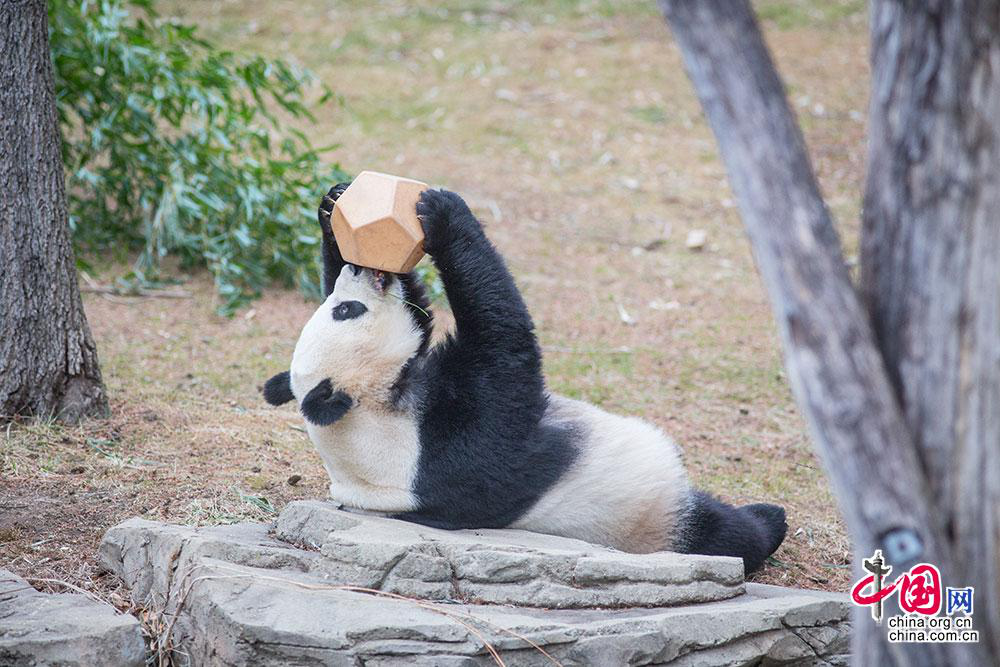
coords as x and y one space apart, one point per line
112 291
74 587
137 292
460 618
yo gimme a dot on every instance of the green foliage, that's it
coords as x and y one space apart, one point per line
176 148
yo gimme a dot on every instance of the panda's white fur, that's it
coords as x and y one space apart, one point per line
596 500
464 435
371 453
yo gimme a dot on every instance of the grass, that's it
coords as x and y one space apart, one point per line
789 14
650 114
570 127
590 374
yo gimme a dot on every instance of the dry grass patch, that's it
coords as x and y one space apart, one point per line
572 130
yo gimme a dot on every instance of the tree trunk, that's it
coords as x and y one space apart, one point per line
888 486
930 260
48 361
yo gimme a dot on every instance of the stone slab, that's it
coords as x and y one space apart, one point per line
239 615
499 566
331 596
65 629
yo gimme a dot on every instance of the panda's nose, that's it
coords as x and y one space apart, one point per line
355 269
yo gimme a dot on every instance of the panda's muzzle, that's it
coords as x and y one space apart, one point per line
382 280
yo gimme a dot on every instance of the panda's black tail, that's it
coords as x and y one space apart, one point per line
711 527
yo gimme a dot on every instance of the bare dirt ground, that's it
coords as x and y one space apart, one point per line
573 131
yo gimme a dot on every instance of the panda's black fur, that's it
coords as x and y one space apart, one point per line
491 445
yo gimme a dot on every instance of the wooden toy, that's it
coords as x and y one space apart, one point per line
375 222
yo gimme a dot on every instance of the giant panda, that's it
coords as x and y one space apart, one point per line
464 434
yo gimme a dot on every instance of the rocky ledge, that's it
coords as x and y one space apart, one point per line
329 587
64 629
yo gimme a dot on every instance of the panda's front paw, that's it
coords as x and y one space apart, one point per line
326 206
324 406
444 217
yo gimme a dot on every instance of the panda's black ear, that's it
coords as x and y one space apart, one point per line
278 390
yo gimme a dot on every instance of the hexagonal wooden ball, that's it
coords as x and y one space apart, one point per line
375 222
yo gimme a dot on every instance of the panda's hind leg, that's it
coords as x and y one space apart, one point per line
713 528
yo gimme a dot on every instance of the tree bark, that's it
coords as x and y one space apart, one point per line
834 360
48 360
930 260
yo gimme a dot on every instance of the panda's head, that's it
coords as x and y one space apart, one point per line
362 336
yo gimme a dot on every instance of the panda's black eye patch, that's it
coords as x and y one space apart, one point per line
348 310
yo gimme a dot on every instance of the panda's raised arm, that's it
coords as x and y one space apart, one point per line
480 289
333 261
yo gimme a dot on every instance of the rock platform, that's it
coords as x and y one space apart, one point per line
328 587
66 629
